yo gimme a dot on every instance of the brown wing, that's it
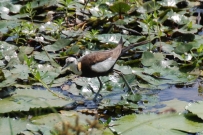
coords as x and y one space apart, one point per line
101 62
100 56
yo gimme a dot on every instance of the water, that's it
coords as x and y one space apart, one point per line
186 93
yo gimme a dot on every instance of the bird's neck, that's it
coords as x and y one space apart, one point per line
76 69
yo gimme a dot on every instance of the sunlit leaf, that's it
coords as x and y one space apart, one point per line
26 99
196 108
170 124
177 18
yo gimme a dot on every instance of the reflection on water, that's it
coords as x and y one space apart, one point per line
186 93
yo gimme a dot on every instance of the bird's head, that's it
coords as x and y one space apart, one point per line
71 62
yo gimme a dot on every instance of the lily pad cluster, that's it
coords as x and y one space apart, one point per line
37 37
167 123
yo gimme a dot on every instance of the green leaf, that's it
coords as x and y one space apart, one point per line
26 99
134 98
21 70
178 18
109 38
165 47
148 7
26 49
177 105
183 48
12 126
123 69
171 3
164 124
196 108
43 56
58 45
148 58
5 25
73 50
120 7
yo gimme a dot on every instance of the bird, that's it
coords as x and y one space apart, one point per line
99 63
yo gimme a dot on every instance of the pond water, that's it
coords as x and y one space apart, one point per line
186 93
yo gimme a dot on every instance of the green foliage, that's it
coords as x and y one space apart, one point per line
30 11
38 47
28 99
120 7
170 124
11 126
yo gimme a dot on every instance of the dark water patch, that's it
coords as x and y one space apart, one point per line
186 93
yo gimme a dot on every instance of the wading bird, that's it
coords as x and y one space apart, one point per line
98 63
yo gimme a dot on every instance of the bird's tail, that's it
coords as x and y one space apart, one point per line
125 49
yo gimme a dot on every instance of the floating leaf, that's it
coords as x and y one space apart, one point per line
43 56
177 18
12 126
73 50
196 108
120 7
109 38
123 69
166 3
58 45
175 104
165 124
148 58
148 7
183 48
26 99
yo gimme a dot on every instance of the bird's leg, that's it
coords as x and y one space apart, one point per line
100 87
127 84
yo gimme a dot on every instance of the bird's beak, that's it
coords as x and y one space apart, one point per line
66 65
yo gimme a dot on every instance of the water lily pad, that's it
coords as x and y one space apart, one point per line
171 3
73 50
123 69
148 7
43 56
120 7
12 126
196 108
177 105
21 70
167 124
148 58
58 45
109 38
183 48
26 99
177 18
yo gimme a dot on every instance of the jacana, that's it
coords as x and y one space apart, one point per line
98 63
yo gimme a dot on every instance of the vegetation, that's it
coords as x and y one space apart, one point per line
37 97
